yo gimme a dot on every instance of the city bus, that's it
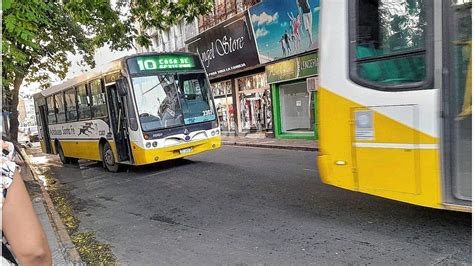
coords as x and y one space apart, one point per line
395 100
136 110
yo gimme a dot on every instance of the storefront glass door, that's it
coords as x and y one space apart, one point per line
296 108
222 92
254 104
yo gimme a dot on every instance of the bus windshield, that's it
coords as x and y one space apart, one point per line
166 101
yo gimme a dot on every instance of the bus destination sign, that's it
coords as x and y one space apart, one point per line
161 62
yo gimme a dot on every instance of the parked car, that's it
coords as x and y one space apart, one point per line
32 133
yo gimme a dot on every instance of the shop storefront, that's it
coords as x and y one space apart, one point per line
254 104
241 94
294 83
223 99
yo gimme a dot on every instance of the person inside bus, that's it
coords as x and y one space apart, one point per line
170 110
23 240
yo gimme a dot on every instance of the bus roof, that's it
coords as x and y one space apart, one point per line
113 66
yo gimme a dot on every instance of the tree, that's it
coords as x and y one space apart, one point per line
39 34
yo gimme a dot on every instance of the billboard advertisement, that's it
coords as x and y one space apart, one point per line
285 28
226 47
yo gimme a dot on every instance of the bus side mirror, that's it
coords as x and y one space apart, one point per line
121 84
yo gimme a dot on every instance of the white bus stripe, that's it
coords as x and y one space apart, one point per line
396 146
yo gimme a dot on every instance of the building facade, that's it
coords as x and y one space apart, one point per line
261 59
172 39
262 64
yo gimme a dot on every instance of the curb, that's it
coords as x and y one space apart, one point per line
64 240
270 146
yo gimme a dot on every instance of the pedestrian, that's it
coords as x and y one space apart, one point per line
23 239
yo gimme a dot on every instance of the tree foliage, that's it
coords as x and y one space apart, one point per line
38 35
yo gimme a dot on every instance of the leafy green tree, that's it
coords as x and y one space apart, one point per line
38 35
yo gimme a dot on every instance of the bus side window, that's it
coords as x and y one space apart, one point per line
99 107
83 104
71 106
389 47
60 110
51 110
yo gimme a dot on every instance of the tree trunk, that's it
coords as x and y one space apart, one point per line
14 106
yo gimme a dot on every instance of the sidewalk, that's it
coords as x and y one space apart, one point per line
63 251
288 144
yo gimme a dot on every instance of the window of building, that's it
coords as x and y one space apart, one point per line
71 106
99 107
51 110
83 102
388 48
61 110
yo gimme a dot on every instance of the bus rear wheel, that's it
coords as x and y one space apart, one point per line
108 159
64 159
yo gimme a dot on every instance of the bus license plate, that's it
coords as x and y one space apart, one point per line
186 150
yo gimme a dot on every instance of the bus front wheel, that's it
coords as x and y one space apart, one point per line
64 159
108 159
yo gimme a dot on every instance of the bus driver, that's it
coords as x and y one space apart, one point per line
169 110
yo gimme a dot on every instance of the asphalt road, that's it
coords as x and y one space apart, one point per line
250 205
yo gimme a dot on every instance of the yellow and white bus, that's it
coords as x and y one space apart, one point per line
137 110
395 104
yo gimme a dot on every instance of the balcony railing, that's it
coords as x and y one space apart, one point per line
223 11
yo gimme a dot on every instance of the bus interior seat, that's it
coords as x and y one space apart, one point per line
396 70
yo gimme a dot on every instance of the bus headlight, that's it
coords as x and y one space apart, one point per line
155 144
217 132
148 145
213 133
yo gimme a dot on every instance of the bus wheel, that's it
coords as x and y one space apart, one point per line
64 159
108 159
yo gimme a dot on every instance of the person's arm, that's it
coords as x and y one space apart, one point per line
298 7
22 228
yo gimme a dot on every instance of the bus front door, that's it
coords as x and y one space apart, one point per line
117 122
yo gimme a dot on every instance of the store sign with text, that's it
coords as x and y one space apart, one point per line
294 68
226 47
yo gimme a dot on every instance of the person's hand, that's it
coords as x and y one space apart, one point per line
9 148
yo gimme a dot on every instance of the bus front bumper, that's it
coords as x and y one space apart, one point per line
143 156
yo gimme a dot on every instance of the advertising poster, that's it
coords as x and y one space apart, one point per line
285 28
226 47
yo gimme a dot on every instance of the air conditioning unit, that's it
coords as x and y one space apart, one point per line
312 84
